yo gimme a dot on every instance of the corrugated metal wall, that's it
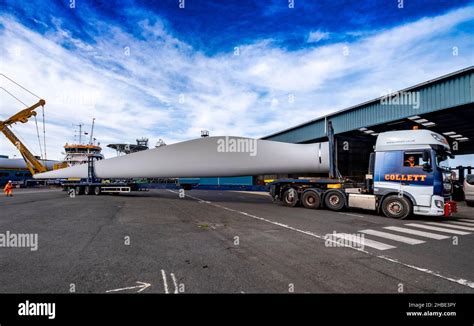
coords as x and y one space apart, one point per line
449 92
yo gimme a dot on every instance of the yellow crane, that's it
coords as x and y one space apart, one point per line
33 164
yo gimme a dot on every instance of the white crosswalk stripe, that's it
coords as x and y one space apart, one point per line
459 223
394 237
468 220
434 228
366 242
460 227
417 232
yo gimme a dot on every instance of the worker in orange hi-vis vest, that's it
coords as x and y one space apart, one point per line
8 189
410 162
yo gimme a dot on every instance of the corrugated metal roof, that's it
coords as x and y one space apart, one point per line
445 92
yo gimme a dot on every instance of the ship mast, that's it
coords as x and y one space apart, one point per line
92 132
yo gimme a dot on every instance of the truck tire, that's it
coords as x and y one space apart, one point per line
311 199
396 207
87 190
334 200
78 190
290 198
97 191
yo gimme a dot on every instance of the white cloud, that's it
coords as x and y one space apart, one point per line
160 87
316 36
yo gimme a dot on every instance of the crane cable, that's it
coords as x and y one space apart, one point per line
36 122
17 133
16 98
39 139
14 82
44 134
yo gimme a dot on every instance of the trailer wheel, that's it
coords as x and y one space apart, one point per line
290 198
396 207
78 190
87 190
334 200
97 191
311 199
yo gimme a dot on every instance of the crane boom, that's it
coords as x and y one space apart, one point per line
33 164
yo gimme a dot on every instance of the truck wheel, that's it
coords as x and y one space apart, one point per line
78 190
87 190
334 200
290 198
396 207
97 191
311 199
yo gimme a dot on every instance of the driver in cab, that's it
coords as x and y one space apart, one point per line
410 161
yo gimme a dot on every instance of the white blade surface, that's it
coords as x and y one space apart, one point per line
208 157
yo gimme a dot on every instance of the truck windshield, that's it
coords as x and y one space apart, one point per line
442 160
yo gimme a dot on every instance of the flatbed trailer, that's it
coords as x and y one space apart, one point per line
98 188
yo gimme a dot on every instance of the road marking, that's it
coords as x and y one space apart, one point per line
165 282
142 287
393 237
175 283
349 214
452 226
459 281
459 223
466 220
365 242
416 232
258 218
434 228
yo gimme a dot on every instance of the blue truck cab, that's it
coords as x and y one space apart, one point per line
412 165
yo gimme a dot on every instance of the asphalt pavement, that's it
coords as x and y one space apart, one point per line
225 242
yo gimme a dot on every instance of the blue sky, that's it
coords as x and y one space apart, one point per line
150 68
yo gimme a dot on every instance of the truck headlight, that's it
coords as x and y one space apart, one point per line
439 203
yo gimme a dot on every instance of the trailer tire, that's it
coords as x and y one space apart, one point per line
290 197
78 190
97 191
87 190
311 199
334 200
396 207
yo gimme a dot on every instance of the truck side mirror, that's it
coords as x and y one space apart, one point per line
427 167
